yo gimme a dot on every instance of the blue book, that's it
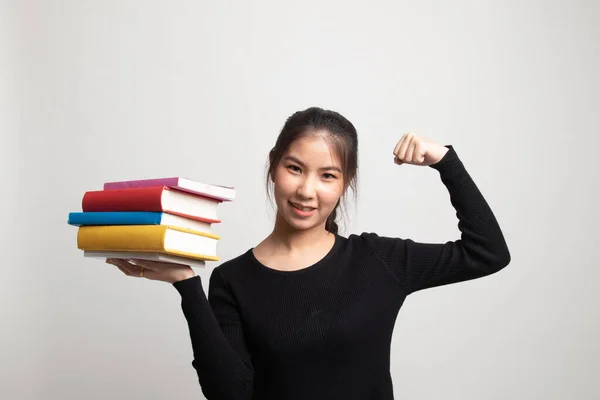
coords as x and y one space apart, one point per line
136 218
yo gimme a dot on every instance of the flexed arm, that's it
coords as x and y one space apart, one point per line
481 249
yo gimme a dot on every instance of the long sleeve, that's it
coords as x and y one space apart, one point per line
221 357
481 250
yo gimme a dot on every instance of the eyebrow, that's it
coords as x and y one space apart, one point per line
297 161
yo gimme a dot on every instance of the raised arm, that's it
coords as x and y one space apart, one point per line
481 250
221 358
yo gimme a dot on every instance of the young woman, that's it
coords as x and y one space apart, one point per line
307 313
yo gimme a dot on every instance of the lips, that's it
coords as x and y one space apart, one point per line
302 207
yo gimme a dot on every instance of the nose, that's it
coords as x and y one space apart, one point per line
306 188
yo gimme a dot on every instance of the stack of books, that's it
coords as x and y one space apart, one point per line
164 219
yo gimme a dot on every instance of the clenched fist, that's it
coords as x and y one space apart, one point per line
415 150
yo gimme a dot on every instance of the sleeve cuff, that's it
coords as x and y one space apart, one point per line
449 162
190 288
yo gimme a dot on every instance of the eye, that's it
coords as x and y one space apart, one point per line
329 176
294 168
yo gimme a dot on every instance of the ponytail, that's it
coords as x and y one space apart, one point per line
330 224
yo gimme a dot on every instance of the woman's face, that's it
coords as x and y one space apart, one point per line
308 182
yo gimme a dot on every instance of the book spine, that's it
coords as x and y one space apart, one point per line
122 238
115 218
141 183
138 199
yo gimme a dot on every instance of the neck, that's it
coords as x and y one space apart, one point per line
294 240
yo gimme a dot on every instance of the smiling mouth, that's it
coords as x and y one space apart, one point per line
302 208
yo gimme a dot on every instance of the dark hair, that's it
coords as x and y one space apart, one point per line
340 133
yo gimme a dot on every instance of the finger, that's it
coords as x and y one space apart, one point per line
125 266
152 270
113 261
117 264
129 268
402 151
397 159
411 149
140 263
150 265
397 147
123 270
419 154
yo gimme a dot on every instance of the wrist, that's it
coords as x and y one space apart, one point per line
440 153
182 276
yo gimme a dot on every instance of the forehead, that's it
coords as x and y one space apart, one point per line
314 150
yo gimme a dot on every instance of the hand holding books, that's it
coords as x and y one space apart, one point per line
153 270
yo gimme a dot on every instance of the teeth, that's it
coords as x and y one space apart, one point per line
303 208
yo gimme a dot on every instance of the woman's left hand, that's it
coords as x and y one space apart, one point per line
415 150
153 270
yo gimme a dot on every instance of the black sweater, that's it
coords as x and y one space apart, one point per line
324 332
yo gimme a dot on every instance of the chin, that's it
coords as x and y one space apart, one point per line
301 225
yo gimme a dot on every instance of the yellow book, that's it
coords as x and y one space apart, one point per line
163 239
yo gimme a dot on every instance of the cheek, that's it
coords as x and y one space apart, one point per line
282 186
330 195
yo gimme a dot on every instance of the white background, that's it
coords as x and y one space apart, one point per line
94 91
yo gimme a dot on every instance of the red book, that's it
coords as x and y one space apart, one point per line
159 199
